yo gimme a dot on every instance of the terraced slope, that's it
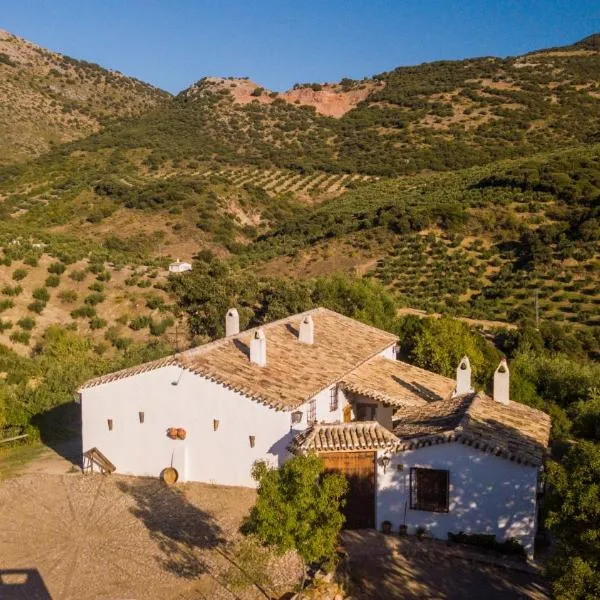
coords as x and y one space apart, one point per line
483 242
49 99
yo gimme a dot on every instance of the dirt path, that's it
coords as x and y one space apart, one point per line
475 322
393 568
37 458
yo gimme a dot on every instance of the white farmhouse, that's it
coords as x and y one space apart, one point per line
179 267
419 449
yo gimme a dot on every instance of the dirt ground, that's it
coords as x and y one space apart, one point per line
94 537
393 568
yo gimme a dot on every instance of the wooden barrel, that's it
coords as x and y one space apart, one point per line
172 433
181 433
169 475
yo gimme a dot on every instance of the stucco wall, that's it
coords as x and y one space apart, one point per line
487 494
223 456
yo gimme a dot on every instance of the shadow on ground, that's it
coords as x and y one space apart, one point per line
182 531
60 429
388 568
22 584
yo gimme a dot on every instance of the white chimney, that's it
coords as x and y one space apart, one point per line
232 322
307 330
463 377
501 383
258 348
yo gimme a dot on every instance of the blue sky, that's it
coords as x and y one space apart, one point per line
172 43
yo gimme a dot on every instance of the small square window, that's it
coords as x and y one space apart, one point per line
429 489
365 412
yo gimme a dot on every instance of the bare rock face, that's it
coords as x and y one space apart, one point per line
331 100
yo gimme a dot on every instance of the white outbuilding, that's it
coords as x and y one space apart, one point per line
179 267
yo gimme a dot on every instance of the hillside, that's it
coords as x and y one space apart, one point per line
437 116
436 180
480 242
48 98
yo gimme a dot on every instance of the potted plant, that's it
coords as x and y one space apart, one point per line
421 531
386 527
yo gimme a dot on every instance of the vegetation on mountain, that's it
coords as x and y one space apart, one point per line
48 98
467 188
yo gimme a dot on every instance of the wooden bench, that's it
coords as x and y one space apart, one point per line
95 457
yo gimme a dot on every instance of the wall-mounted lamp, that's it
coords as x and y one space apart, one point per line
252 441
215 424
141 416
110 424
384 461
297 416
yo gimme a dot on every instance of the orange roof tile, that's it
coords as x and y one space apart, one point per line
397 383
515 431
340 437
294 372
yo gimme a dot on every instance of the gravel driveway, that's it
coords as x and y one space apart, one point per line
99 537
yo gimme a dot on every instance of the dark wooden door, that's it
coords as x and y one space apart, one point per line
359 469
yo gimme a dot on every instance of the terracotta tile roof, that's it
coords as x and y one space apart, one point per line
514 431
397 383
341 437
294 371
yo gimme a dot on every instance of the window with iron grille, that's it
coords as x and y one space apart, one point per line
429 489
333 399
311 415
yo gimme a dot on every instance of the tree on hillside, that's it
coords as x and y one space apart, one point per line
298 508
439 345
574 518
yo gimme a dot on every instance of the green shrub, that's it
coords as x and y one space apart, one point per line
86 311
67 296
32 261
19 274
5 304
41 294
140 322
20 337
97 323
14 290
94 299
27 323
154 301
52 281
160 327
37 306
77 275
4 325
96 286
104 276
57 268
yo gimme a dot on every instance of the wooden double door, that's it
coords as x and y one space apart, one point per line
359 469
